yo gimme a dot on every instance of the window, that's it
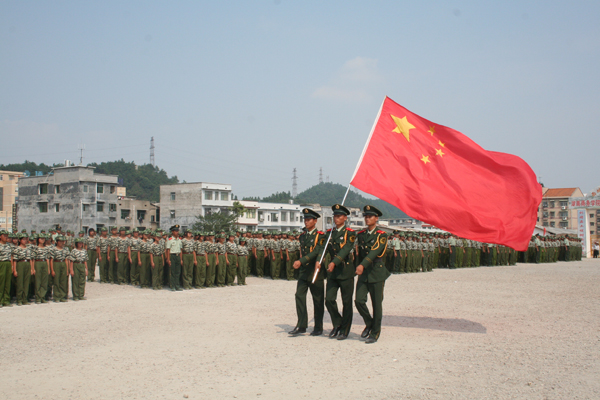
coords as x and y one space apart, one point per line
545 215
563 224
261 216
552 224
85 188
113 188
2 219
1 179
207 195
551 214
545 224
224 196
125 214
564 203
141 215
100 207
329 221
291 216
283 216
591 224
172 196
551 204
85 207
172 213
274 217
100 188
57 207
112 207
152 218
544 204
43 207
56 189
591 215
43 188
250 214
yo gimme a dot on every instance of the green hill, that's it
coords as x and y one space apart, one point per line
328 194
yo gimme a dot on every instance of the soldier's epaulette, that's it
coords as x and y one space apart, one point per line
320 233
380 231
350 229
329 230
363 231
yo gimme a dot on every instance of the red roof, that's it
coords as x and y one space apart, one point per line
562 192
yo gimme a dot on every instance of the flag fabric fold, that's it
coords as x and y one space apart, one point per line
439 176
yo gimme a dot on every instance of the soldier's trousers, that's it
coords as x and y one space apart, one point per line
41 280
242 269
175 271
317 291
453 257
398 263
187 270
103 267
424 261
5 280
135 269
210 270
112 268
78 281
61 281
221 270
145 271
346 286
122 268
276 266
289 269
260 263
538 255
157 272
375 290
92 257
200 271
23 280
231 268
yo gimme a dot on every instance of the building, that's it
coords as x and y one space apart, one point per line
261 216
182 203
587 209
9 190
554 211
133 213
72 197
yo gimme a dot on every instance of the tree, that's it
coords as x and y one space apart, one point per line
223 221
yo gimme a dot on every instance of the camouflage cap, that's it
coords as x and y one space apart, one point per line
103 229
60 237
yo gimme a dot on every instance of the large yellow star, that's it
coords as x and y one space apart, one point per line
441 144
425 159
438 152
402 126
431 130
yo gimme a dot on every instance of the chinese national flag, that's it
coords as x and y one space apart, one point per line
439 176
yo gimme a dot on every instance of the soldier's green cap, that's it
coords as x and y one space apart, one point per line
103 229
371 210
135 230
43 231
308 213
79 240
242 239
60 237
24 231
128 232
174 228
339 209
159 230
80 232
122 229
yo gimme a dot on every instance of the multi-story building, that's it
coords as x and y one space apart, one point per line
72 197
261 216
133 213
182 203
554 210
588 219
9 190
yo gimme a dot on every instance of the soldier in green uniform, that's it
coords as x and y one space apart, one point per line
59 269
135 244
145 267
221 264
188 254
200 263
103 249
113 259
90 245
40 256
22 268
231 259
123 255
173 257
311 243
5 269
242 252
211 255
371 244
79 269
157 260
259 254
341 272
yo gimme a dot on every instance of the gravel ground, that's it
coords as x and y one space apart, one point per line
524 332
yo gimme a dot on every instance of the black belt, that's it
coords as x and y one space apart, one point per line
183 252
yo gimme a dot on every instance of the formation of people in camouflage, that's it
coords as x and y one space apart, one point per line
36 267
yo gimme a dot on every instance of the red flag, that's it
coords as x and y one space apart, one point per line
439 176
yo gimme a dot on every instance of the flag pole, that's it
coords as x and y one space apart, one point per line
350 184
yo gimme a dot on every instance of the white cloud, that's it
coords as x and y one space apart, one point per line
353 82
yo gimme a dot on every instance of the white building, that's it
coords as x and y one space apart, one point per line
271 216
182 203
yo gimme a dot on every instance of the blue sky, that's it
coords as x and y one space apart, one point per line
242 92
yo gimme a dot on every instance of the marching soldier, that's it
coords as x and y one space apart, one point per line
371 244
311 243
341 272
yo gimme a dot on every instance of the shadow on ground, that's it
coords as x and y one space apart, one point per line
440 324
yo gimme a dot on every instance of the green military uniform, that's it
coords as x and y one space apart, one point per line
311 244
173 246
5 269
232 259
242 252
91 243
135 245
339 248
113 258
221 267
123 254
21 256
40 256
371 247
188 254
61 271
102 245
145 267
211 254
79 259
201 264
157 262
259 246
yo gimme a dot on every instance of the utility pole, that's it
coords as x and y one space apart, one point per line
152 151
294 185
321 175
81 148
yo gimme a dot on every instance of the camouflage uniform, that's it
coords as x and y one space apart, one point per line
78 258
232 266
61 273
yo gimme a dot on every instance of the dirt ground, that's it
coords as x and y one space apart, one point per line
525 332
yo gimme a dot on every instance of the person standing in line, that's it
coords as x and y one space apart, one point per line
173 257
40 258
242 257
59 269
135 244
79 269
22 268
231 259
188 255
5 269
90 245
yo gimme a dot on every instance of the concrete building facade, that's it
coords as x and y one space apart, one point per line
9 190
261 216
554 211
182 203
133 213
72 197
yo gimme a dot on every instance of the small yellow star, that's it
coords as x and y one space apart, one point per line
438 152
431 130
425 159
441 144
402 126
